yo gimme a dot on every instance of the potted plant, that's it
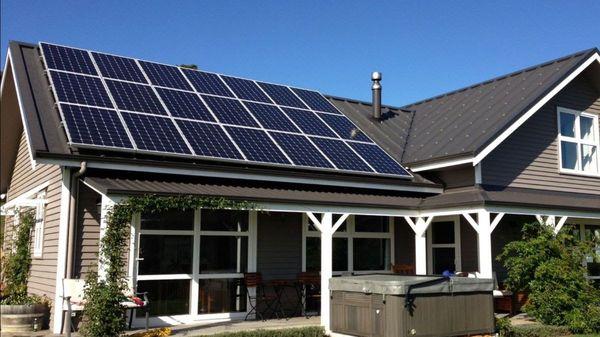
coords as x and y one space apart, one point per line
20 311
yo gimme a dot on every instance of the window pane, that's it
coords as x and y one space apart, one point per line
443 259
443 232
224 220
167 297
313 254
567 124
219 254
222 295
586 125
589 158
168 220
373 224
165 254
371 254
569 155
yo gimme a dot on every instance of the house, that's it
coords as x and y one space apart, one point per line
82 130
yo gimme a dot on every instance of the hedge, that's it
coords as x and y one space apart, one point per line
536 330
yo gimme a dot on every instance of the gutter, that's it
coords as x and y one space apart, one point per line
72 224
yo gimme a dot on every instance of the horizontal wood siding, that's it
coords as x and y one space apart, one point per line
43 269
279 245
88 232
529 157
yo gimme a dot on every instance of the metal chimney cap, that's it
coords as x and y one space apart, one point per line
376 76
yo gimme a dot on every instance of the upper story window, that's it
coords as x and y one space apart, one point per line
578 142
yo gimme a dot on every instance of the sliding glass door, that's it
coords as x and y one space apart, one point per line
192 262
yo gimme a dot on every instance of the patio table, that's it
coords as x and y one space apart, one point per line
279 286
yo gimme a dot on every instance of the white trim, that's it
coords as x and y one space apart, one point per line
173 320
107 204
489 148
38 231
578 141
440 164
24 197
478 175
245 176
21 107
61 260
456 245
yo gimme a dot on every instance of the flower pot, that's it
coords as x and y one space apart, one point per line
520 299
21 318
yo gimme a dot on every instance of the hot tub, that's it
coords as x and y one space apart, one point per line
398 306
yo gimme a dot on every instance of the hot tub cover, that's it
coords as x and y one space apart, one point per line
400 285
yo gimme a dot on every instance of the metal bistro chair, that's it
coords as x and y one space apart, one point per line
269 301
309 291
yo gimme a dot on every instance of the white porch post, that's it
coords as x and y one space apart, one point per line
106 206
420 229
484 237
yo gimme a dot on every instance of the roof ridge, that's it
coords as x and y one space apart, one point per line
501 77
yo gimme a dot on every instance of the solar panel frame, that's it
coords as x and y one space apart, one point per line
309 122
315 100
380 161
168 76
51 62
188 88
343 127
230 110
103 119
271 117
282 95
214 140
246 89
216 85
257 145
163 128
290 143
79 89
342 155
175 102
135 97
119 68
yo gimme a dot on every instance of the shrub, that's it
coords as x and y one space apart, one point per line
18 263
313 331
535 330
550 269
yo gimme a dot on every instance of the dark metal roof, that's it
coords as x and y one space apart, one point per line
461 122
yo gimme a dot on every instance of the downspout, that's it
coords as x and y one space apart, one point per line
72 218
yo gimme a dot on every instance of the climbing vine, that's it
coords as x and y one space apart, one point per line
103 313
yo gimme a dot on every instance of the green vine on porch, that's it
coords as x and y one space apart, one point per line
103 313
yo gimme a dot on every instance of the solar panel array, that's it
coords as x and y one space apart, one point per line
119 103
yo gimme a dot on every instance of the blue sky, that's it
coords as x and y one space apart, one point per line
423 48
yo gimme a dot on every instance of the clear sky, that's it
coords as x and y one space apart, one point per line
423 48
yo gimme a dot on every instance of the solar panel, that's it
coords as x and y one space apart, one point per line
95 126
271 117
80 89
165 76
209 140
116 103
256 145
343 127
341 155
229 111
68 59
282 95
378 159
185 104
155 133
135 97
246 89
309 122
300 150
315 100
120 68
207 83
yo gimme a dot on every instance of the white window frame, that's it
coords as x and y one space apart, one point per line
350 234
456 245
579 141
195 276
38 228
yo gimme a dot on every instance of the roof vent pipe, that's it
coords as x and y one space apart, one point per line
376 87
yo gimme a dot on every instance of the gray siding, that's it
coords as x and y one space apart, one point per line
529 157
279 245
509 229
468 247
88 232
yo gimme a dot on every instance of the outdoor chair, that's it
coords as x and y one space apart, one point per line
403 269
503 299
73 301
310 291
269 301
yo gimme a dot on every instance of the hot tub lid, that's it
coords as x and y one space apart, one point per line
389 284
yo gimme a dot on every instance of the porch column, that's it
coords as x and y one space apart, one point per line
484 228
327 228
106 206
420 228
